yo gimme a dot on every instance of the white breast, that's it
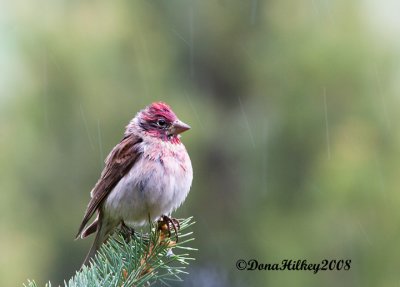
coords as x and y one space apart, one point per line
156 185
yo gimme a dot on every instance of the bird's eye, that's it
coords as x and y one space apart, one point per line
162 123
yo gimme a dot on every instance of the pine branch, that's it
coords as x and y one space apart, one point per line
136 260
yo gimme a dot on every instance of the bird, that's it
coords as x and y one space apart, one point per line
146 176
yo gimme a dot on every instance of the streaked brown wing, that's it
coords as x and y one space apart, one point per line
118 163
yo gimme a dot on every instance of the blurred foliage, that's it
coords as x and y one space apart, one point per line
293 112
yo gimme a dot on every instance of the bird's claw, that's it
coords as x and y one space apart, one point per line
127 232
165 223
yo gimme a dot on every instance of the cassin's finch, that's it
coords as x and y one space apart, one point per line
146 176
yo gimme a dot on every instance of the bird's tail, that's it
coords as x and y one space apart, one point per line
103 231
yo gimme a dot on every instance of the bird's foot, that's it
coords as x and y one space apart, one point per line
165 223
127 232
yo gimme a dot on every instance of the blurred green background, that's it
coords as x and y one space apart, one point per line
294 143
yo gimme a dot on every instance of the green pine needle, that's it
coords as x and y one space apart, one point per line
140 260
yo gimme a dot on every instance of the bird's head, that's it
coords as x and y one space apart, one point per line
158 120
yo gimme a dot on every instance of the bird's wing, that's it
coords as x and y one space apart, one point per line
118 163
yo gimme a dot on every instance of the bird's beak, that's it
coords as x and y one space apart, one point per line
179 127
